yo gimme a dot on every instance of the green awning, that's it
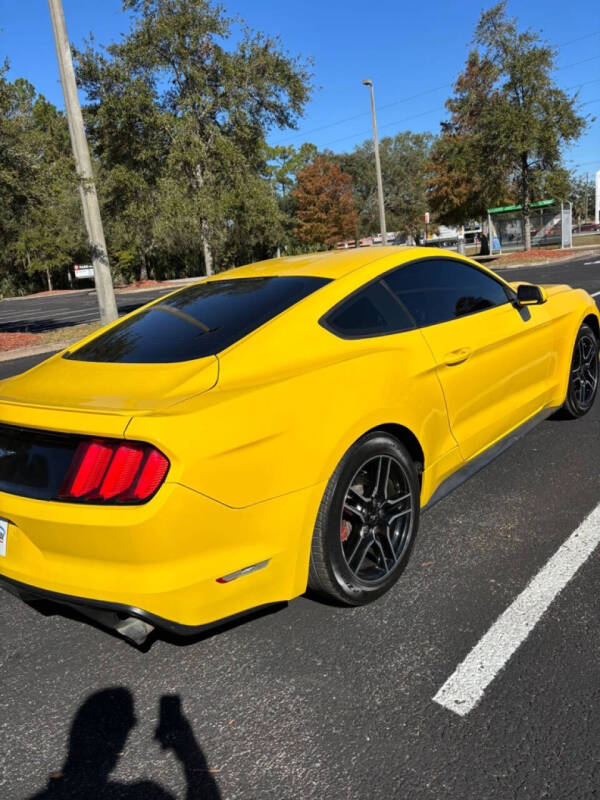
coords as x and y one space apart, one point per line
540 204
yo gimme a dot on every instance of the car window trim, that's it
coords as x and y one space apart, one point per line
510 295
324 323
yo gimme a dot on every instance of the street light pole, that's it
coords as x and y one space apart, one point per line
87 187
368 82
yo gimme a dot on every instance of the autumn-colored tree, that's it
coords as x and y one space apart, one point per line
324 204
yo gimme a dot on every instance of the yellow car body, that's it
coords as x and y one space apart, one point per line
254 434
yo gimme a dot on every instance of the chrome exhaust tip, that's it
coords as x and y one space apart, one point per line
134 630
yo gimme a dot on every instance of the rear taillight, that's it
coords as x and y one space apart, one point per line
106 471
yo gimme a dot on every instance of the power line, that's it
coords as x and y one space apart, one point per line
584 163
577 63
415 97
366 113
579 39
387 125
422 114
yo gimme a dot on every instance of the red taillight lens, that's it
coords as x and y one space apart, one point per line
87 469
109 471
150 478
122 471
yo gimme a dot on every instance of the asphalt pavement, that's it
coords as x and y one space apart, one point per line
40 313
316 701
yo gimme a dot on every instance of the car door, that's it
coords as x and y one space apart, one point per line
494 360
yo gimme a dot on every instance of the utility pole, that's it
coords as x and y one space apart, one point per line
368 82
585 216
87 187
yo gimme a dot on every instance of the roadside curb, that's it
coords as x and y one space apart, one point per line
43 295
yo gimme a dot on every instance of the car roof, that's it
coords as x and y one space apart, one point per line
331 264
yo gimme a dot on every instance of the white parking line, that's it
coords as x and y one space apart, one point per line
467 684
595 294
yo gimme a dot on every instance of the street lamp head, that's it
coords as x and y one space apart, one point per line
367 82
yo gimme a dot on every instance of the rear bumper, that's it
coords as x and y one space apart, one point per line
110 615
159 562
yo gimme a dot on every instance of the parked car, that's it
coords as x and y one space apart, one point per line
586 227
277 426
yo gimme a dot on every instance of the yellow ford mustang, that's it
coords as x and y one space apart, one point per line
276 426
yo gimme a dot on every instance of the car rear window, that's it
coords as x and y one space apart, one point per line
198 321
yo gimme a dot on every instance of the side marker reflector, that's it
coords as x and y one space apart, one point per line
241 572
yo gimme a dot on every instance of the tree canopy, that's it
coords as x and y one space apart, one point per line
180 111
509 123
40 218
324 204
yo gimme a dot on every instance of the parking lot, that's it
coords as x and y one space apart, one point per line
315 701
39 314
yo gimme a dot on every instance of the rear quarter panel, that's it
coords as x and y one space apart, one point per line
290 401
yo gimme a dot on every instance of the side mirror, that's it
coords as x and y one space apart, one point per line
530 295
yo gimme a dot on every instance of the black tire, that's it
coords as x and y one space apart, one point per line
583 376
365 508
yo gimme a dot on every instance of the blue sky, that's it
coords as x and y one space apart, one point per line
412 51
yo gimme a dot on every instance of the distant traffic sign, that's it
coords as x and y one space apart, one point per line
83 271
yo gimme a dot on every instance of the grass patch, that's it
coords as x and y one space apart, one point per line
70 334
59 337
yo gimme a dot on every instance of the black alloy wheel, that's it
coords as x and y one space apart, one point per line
367 522
583 378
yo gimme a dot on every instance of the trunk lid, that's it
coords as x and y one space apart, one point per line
110 392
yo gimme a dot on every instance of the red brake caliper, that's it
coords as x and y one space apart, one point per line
346 530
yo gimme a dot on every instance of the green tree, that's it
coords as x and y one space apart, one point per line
215 100
129 134
509 122
325 206
405 166
581 193
284 164
41 229
466 177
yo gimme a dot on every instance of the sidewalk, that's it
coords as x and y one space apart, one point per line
537 258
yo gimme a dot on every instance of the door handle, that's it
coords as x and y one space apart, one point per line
457 356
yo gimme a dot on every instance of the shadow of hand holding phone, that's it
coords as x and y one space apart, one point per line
97 738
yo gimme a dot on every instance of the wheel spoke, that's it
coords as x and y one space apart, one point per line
356 496
389 544
382 478
396 515
587 350
354 508
394 502
359 553
384 557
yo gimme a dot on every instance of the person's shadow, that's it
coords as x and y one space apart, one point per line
98 735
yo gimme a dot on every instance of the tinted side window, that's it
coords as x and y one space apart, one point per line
198 321
373 311
437 290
